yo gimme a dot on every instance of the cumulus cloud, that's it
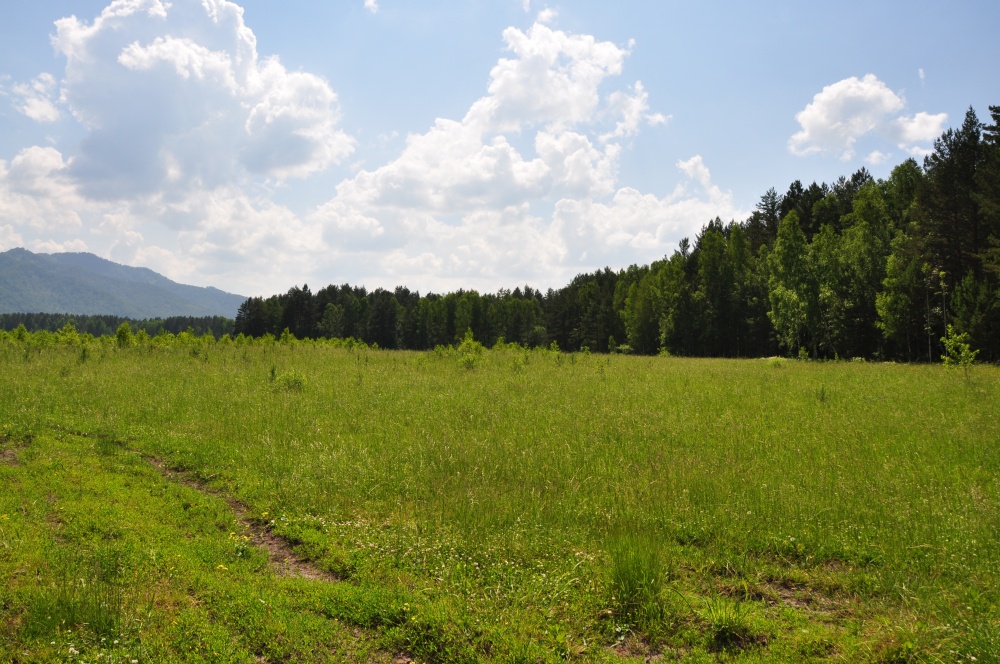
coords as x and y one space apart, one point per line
37 98
462 206
550 89
634 111
876 157
548 15
182 118
846 111
37 193
176 97
187 128
372 6
635 224
919 128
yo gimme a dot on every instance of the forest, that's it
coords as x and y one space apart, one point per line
861 268
107 325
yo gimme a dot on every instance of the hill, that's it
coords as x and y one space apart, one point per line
82 283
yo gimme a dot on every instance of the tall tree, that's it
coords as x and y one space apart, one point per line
794 293
949 213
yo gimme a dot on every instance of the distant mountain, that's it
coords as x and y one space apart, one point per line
79 283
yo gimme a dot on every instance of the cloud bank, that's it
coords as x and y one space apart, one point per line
464 202
188 131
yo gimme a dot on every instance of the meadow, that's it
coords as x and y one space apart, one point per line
506 504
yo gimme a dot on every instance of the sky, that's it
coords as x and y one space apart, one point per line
447 144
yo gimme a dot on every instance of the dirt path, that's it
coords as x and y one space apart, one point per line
282 556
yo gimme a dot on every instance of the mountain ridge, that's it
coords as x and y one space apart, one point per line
82 283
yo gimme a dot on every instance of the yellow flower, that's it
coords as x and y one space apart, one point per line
223 568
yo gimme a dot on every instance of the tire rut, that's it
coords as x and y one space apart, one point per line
280 552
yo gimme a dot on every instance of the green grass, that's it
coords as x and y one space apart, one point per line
524 506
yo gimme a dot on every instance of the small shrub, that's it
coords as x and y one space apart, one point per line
469 351
958 353
290 381
123 336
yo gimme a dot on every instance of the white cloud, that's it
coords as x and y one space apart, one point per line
457 167
51 247
37 193
876 157
372 6
548 15
182 119
568 68
920 73
846 111
463 207
9 238
842 113
36 99
633 110
222 237
919 128
188 128
175 97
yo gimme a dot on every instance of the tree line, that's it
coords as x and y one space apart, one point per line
860 268
106 325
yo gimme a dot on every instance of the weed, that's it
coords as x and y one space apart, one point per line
730 623
92 590
636 578
290 381
107 445
487 498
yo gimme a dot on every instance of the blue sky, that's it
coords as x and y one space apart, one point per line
442 145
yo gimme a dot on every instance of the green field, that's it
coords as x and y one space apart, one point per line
505 505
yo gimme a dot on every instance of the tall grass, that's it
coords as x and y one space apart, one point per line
882 475
91 589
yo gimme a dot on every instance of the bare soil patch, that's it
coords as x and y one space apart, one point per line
8 457
636 648
280 552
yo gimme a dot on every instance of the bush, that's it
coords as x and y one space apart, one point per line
291 381
469 351
123 337
958 353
